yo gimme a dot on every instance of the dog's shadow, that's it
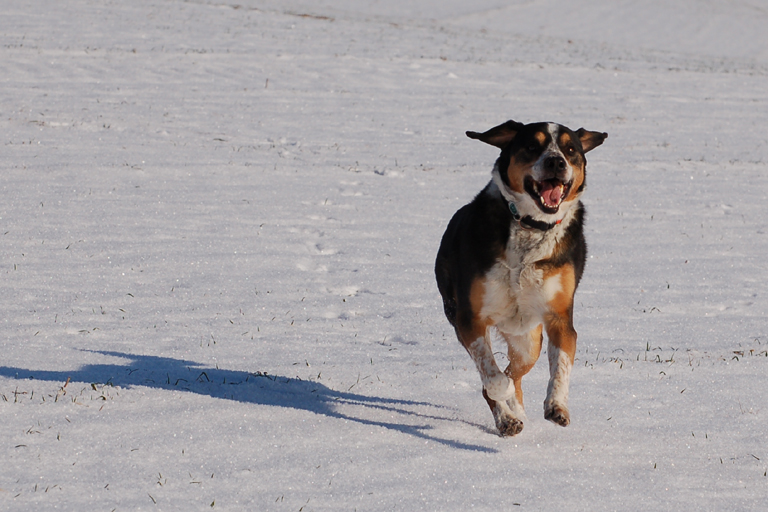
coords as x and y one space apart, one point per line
254 388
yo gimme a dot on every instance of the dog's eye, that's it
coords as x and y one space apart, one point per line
570 151
532 148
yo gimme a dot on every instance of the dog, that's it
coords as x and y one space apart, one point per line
511 261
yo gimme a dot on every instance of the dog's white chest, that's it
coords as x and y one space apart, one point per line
516 292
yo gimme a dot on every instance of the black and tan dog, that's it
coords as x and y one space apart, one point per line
512 259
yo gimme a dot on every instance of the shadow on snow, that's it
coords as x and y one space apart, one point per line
254 388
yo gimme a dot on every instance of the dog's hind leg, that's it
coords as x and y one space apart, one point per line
523 352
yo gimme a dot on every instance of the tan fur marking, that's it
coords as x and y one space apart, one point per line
476 294
578 180
516 174
541 137
476 326
562 302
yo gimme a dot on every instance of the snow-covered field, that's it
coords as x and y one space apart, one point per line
217 228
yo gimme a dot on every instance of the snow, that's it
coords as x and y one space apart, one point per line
217 233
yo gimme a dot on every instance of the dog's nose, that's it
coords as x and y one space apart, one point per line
555 164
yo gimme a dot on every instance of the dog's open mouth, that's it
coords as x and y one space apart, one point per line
548 194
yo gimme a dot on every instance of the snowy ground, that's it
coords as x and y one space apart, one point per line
217 229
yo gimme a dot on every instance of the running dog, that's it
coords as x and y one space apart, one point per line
512 259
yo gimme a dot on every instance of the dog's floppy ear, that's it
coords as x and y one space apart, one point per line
498 136
590 140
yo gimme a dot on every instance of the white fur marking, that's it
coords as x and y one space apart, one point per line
498 386
552 286
553 130
560 375
552 149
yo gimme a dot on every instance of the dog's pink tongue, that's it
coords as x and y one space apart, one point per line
551 192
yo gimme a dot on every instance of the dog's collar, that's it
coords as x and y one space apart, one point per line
529 222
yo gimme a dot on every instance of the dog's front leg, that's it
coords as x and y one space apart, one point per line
561 351
498 388
496 385
561 347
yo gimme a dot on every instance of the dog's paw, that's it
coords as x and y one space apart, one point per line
557 414
507 424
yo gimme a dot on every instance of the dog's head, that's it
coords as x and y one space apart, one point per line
542 165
